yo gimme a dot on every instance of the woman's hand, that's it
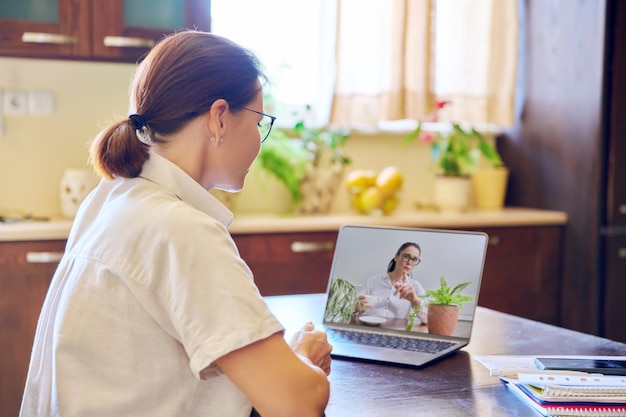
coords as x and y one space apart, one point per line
313 345
404 289
361 305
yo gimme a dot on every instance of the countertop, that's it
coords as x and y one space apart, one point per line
247 223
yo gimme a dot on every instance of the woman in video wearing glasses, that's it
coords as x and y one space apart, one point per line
396 291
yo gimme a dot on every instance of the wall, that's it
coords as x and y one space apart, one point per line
35 150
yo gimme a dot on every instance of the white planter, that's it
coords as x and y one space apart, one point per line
452 194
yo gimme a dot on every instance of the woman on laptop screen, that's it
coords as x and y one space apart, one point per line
394 293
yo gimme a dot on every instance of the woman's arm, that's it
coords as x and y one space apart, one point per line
280 380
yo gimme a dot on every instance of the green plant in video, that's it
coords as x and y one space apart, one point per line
342 297
445 295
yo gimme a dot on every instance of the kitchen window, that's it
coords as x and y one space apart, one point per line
360 63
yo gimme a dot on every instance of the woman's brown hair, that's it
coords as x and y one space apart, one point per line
180 78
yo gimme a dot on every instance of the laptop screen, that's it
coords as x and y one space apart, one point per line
382 277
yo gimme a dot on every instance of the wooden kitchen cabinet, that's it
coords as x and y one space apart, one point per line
101 30
288 263
26 269
522 273
615 286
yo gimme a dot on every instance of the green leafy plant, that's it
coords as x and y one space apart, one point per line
287 160
457 151
444 295
342 297
290 154
316 141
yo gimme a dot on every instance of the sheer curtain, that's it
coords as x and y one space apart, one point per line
395 58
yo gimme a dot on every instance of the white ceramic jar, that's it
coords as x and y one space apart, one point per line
75 185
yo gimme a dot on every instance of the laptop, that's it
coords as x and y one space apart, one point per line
381 332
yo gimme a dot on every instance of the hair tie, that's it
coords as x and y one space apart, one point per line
138 121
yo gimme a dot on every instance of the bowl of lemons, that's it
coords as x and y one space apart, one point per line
374 192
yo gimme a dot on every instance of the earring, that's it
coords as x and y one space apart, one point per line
212 139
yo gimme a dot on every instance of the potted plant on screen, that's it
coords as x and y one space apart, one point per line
444 305
342 298
458 154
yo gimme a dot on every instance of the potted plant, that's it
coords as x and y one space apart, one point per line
458 153
287 160
309 162
444 304
342 298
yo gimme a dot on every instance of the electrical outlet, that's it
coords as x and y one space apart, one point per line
15 102
41 102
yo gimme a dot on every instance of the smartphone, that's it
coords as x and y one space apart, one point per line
592 366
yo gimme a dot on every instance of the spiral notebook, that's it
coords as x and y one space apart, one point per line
569 394
572 407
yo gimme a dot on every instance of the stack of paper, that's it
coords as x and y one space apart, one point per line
560 393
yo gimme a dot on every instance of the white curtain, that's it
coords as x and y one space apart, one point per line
395 58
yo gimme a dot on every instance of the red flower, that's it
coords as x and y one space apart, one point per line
433 116
427 137
441 104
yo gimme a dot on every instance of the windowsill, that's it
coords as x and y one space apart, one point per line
403 127
407 126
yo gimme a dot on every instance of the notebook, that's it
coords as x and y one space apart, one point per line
567 409
380 333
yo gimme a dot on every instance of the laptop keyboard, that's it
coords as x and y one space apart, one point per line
388 341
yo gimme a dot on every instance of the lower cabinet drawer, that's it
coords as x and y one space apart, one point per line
26 269
288 263
522 273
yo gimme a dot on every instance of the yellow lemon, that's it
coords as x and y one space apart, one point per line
389 180
390 204
360 179
369 200
355 202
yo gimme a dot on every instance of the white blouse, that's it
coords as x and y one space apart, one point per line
150 292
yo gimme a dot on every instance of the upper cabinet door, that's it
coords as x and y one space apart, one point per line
126 29
99 30
44 28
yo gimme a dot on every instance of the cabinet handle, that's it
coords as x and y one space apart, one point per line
126 42
55 38
621 253
43 257
302 247
494 240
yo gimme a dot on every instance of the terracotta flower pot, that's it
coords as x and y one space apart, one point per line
442 319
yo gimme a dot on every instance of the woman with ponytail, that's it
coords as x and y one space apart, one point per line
397 292
152 312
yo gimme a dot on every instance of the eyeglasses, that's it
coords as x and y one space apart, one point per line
265 125
414 261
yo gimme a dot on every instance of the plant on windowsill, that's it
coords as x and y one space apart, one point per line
444 304
458 154
308 162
